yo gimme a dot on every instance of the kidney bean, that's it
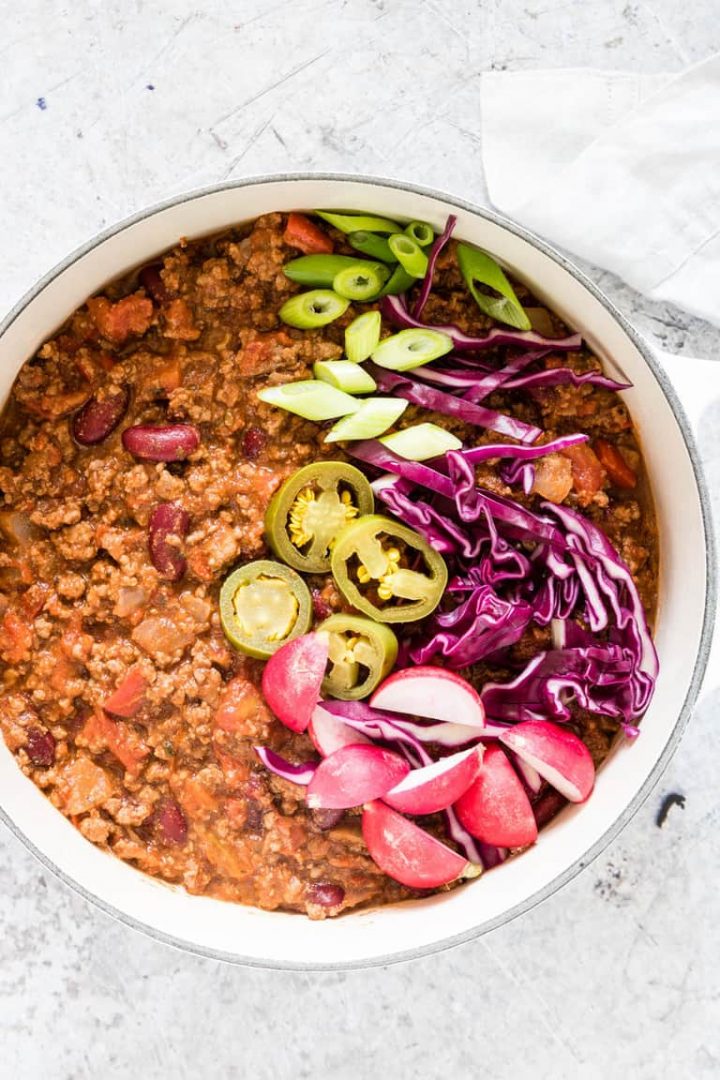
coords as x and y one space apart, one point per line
547 804
99 417
168 522
152 283
40 747
321 608
325 894
254 817
170 823
253 442
164 442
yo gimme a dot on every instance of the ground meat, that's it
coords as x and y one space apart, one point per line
169 780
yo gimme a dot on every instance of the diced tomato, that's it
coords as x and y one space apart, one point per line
128 696
241 707
235 772
196 799
230 858
130 751
236 812
16 637
169 376
587 472
304 234
615 464
116 322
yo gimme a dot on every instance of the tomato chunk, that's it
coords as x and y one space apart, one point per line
615 465
128 696
587 472
304 234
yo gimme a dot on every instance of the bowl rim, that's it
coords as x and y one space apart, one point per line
711 564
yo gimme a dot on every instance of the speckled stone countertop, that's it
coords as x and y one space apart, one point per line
106 107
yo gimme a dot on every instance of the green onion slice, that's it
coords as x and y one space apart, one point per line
345 375
374 417
315 308
371 244
420 232
349 223
421 441
411 348
409 254
361 282
362 336
318 271
311 399
490 289
400 282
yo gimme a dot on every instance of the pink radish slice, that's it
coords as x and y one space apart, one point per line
431 692
495 808
354 775
436 786
531 778
407 853
329 734
557 754
292 677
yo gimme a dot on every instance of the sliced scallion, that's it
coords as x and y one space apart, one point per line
317 271
311 399
374 417
411 348
400 282
345 375
420 232
371 244
421 442
362 281
349 223
362 336
490 288
315 308
409 254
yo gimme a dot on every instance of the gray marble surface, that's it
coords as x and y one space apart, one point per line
106 106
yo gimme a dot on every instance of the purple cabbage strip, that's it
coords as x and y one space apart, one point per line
498 380
437 247
561 376
526 453
438 401
483 624
297 774
518 472
395 309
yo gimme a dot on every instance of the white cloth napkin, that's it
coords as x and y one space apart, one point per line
619 168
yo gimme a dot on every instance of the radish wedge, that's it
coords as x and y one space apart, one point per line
495 808
406 852
431 692
329 734
557 754
354 775
292 678
437 786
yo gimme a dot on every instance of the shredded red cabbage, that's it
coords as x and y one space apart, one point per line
297 774
561 376
429 398
437 247
395 309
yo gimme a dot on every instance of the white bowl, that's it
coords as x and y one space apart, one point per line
274 939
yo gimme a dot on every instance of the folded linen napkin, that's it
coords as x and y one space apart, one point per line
621 169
